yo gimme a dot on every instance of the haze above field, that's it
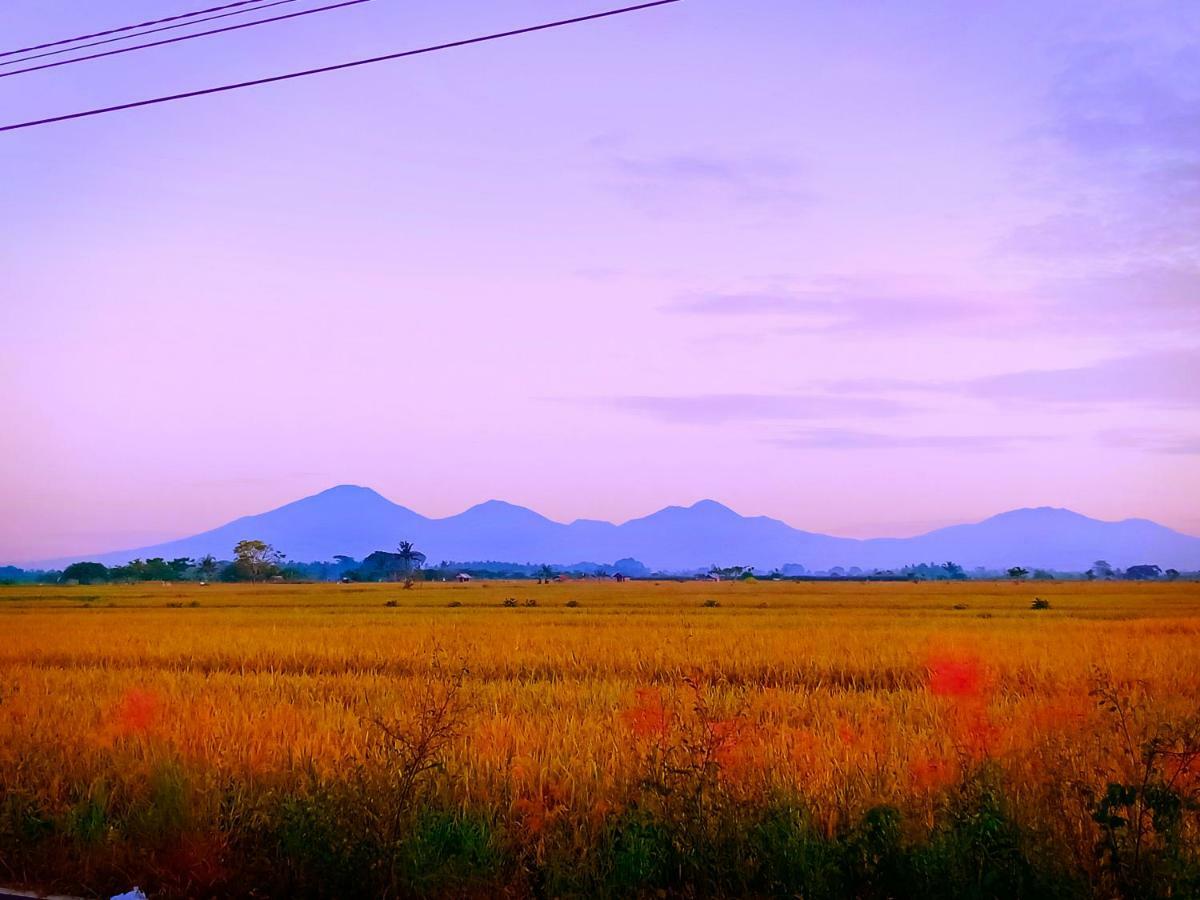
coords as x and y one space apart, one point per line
870 269
354 521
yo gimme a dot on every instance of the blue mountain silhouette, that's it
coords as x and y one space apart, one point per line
354 521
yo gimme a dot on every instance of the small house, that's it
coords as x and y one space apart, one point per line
462 576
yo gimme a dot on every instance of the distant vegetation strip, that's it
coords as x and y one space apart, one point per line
255 560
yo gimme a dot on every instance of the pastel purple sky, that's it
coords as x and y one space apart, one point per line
869 268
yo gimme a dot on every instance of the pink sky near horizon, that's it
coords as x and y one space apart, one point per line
865 269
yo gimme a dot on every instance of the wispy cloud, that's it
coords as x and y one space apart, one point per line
848 439
845 305
1122 136
1153 440
1111 99
1165 378
689 183
1145 297
715 409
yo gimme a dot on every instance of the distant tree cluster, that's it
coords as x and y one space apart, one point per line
155 569
732 571
384 566
252 561
947 571
17 575
404 565
1100 570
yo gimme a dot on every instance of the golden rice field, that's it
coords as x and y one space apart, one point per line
795 739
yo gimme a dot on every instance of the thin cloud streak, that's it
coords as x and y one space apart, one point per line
1122 141
715 409
1145 297
847 439
1166 378
1151 440
854 308
680 184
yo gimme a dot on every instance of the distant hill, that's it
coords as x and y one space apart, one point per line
354 521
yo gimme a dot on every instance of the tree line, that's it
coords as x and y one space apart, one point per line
255 560
252 561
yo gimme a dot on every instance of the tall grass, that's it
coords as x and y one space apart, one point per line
845 740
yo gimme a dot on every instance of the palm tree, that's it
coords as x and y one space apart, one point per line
410 561
208 567
545 573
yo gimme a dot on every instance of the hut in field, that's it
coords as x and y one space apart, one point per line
462 576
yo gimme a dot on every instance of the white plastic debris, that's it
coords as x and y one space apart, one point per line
135 894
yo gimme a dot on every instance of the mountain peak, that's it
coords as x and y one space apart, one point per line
503 510
346 490
499 506
1039 514
711 506
344 496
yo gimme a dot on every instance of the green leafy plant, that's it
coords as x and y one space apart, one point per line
1148 816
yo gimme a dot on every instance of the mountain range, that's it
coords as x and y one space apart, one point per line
354 521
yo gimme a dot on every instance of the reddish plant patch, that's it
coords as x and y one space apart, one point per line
955 676
647 717
137 712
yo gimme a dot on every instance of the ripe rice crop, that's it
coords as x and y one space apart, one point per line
798 739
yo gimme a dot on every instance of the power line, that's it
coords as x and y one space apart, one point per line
138 34
85 37
182 37
334 68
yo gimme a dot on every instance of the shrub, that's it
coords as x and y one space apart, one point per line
392 603
1039 603
711 603
454 604
639 852
573 604
449 850
1149 818
509 602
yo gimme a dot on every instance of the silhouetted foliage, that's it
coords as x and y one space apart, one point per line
256 560
1143 573
85 572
